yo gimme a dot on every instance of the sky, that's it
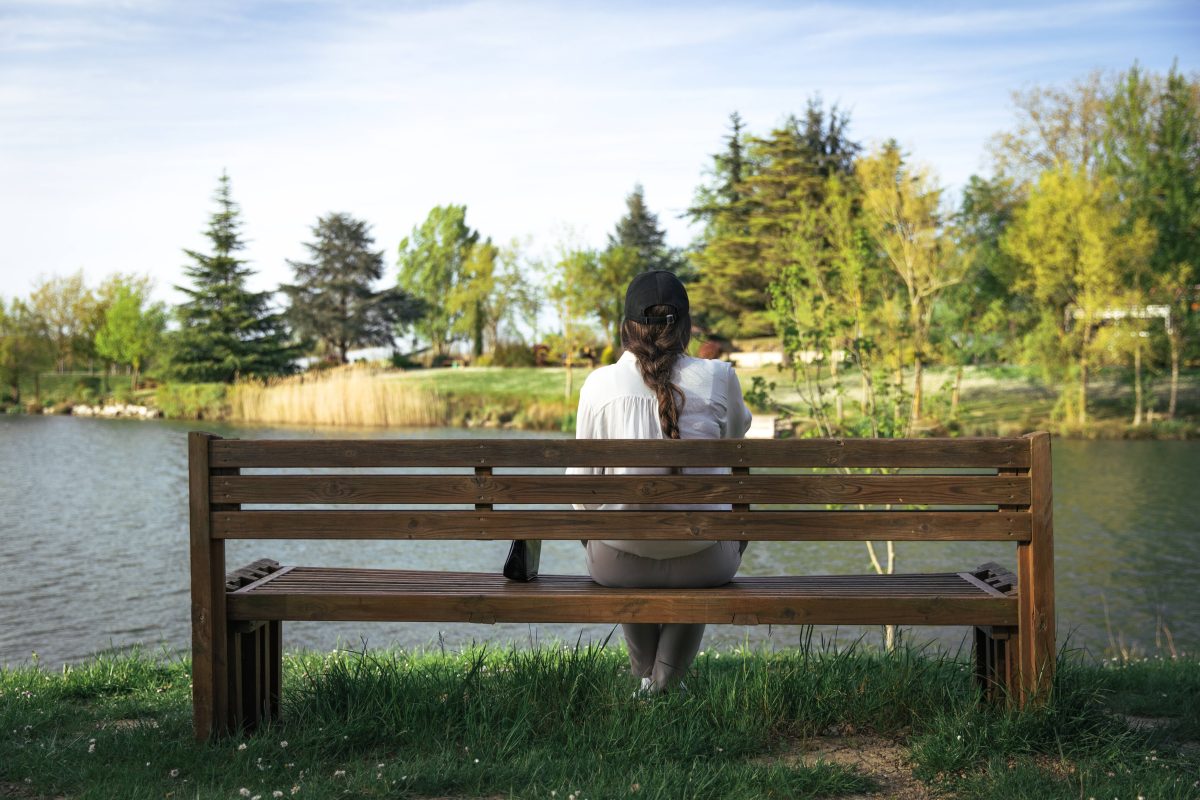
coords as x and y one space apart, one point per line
118 116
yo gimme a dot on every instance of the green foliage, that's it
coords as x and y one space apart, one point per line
225 331
25 346
333 300
71 314
191 400
760 188
432 263
132 330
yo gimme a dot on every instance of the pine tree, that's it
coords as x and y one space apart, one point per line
333 300
225 331
762 190
638 231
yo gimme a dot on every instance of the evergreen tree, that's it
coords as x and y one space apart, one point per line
433 265
780 179
225 331
638 231
333 300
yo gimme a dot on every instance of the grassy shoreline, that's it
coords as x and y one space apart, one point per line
999 400
560 721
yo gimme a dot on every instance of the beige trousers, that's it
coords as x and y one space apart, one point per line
663 652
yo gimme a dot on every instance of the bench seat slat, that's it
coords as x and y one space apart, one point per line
407 595
284 454
443 489
754 525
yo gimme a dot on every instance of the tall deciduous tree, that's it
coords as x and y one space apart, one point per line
1152 146
26 346
902 208
133 326
333 300
432 262
1076 249
67 306
225 330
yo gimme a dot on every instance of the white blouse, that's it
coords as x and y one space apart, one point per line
615 403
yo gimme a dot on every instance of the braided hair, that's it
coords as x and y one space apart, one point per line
657 347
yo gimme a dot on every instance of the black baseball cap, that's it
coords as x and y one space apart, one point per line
658 287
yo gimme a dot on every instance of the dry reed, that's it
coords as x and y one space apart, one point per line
352 395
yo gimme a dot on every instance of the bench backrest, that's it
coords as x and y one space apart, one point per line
797 489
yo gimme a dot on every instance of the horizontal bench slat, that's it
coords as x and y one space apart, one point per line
396 595
754 525
674 489
952 453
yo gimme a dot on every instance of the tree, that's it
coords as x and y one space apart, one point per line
432 261
67 306
761 188
26 346
132 329
902 208
1056 128
1076 253
1152 148
469 302
226 331
568 293
333 300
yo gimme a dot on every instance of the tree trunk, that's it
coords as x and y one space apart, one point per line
37 387
1175 348
839 410
918 372
957 393
1081 416
133 383
478 332
1137 382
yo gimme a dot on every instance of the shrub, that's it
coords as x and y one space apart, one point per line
191 400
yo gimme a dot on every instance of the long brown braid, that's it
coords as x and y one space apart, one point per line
657 348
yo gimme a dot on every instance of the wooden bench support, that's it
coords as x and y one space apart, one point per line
255 651
255 673
787 490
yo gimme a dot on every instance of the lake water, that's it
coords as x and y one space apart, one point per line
94 548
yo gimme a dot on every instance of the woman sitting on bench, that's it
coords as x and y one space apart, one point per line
656 391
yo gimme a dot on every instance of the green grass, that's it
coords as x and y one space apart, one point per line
552 722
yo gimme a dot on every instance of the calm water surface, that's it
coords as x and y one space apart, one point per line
93 548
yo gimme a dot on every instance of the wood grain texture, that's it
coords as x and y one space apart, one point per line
942 599
751 525
1035 579
283 453
207 559
676 489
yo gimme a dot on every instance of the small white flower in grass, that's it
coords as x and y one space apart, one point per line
477 761
379 766
339 773
244 792
295 788
242 746
283 744
276 793
174 773
958 738
256 797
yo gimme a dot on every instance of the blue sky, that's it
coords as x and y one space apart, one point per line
117 117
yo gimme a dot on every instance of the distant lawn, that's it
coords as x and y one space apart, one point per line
533 383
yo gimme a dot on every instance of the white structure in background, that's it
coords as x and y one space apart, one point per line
1131 312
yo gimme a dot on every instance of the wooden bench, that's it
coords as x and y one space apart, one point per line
782 490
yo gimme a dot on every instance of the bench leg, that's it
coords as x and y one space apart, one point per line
255 673
996 670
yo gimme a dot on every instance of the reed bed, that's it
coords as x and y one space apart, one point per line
352 395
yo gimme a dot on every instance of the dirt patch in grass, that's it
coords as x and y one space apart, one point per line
882 759
19 791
